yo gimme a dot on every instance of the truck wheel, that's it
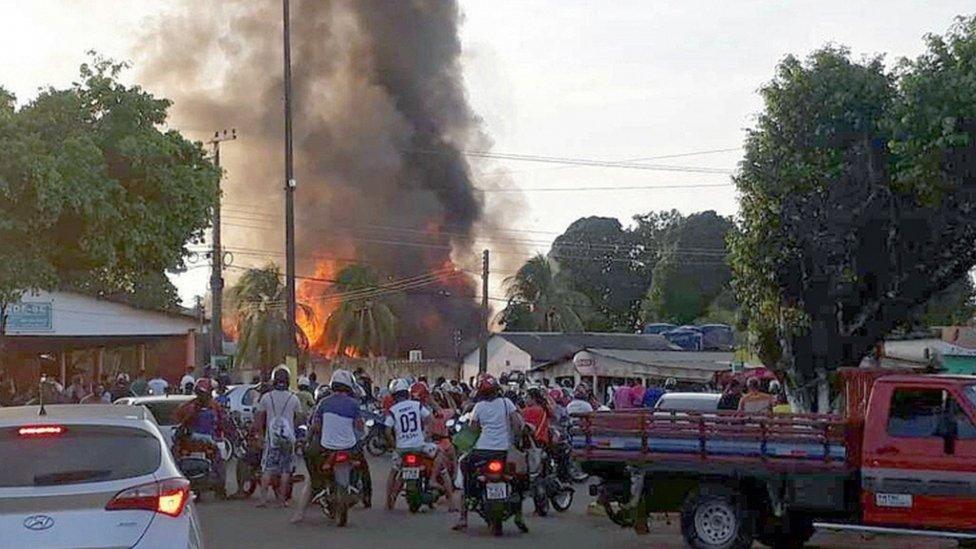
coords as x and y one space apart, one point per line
716 520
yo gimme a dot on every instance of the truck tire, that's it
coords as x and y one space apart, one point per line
716 518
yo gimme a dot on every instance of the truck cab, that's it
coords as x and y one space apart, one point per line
918 457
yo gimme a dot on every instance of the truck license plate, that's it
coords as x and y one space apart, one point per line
411 473
893 500
497 490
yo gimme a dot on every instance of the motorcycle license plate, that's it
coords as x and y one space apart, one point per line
411 473
496 490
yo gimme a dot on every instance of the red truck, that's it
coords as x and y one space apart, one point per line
901 460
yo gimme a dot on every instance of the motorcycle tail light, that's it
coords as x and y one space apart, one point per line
341 457
167 497
410 459
496 466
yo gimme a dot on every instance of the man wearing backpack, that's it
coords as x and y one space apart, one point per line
279 411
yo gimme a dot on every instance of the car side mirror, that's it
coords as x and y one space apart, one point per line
948 431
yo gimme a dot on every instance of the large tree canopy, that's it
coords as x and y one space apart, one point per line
94 195
540 299
690 271
364 323
596 257
858 196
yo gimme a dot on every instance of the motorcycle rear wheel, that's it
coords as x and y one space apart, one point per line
375 447
541 501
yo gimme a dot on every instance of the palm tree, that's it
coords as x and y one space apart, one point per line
258 299
364 323
536 291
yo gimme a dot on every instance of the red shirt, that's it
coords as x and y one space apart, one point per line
536 416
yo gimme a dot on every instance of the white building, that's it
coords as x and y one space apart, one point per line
61 333
612 357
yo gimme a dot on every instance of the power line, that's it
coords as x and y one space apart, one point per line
576 161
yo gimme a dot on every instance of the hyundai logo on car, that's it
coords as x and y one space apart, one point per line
38 522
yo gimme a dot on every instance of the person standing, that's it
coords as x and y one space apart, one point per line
756 401
652 394
157 385
140 387
76 391
731 396
187 381
278 413
637 394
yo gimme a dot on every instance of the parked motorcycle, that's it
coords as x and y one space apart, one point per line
546 487
418 489
343 484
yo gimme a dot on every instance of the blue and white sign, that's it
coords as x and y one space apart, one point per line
37 316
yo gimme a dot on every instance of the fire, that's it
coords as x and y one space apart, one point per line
310 292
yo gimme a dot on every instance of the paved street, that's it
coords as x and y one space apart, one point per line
239 525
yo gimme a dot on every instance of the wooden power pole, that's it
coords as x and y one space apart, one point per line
217 258
483 350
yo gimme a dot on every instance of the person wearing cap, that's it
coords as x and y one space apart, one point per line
187 380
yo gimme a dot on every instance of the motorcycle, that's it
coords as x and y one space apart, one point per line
342 485
248 455
375 441
201 463
545 486
498 500
417 487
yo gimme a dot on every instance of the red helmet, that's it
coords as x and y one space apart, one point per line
419 391
558 396
487 385
203 386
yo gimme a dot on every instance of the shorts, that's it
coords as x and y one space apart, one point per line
276 460
429 449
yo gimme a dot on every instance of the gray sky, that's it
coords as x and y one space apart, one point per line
609 80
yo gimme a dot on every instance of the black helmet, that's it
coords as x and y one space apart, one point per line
280 378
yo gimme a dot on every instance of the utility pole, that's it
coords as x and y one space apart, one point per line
217 258
483 351
289 196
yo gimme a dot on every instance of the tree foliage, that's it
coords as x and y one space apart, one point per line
540 299
363 324
690 271
596 257
857 200
93 193
257 300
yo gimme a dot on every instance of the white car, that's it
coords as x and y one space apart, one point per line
688 402
162 409
90 475
243 399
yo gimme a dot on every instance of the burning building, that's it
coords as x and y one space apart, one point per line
380 120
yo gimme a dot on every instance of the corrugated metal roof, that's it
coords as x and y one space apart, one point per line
545 347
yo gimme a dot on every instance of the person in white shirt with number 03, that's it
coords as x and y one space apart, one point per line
408 421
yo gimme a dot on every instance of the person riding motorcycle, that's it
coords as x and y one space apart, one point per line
201 423
305 395
334 425
408 421
497 418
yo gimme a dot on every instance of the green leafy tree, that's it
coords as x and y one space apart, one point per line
93 193
857 191
257 300
364 323
691 270
597 258
541 298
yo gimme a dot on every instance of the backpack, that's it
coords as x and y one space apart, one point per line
281 431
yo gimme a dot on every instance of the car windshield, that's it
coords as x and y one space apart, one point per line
110 453
163 410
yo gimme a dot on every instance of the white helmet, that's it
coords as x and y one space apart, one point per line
343 377
400 385
303 381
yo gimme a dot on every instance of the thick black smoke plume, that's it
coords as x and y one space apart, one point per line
380 119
